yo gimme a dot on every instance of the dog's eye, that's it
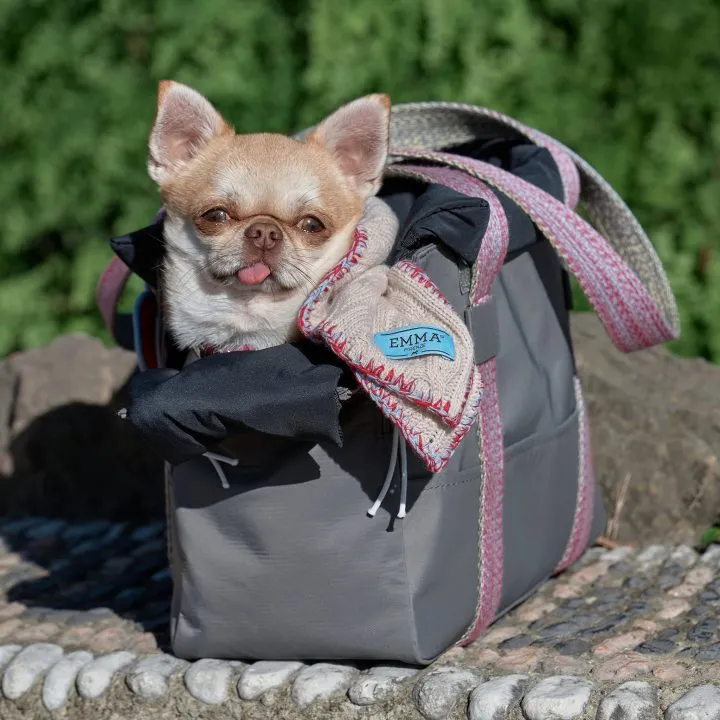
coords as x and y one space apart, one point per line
216 215
311 224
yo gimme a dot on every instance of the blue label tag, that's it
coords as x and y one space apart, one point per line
415 341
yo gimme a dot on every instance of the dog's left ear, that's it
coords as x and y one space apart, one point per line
357 137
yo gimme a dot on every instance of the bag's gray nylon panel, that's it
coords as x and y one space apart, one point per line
289 565
541 483
535 369
441 551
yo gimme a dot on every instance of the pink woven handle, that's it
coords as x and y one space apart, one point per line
109 289
630 315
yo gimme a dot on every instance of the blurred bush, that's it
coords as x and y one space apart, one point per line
634 87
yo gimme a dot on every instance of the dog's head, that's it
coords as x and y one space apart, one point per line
264 212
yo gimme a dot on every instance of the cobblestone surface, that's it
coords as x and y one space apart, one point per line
84 612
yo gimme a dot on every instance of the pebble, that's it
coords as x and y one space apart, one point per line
564 665
152 546
11 610
95 678
80 531
686 590
518 641
110 639
436 694
589 575
20 526
142 643
266 675
701 703
673 608
562 698
61 678
207 680
378 684
559 630
7 653
149 678
704 631
77 637
684 556
521 659
617 555
630 701
494 699
617 644
651 558
40 633
322 681
670 672
625 666
711 557
8 628
497 635
574 646
147 532
700 576
657 646
49 529
27 667
535 610
711 652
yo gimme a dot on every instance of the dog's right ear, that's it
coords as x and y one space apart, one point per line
184 124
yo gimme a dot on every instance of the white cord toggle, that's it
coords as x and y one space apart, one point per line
215 460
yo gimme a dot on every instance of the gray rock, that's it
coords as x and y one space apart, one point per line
207 680
378 684
701 703
494 699
61 678
51 528
27 667
617 555
712 652
80 531
95 678
684 556
149 677
651 558
148 532
631 701
22 525
266 675
7 653
562 698
711 557
322 681
436 694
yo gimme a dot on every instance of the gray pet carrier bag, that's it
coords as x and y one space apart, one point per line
282 561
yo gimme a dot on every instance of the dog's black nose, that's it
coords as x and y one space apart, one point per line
264 235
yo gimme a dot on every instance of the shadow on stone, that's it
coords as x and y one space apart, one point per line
66 457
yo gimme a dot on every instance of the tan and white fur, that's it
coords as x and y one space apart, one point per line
254 222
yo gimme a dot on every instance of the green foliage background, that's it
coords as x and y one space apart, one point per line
632 85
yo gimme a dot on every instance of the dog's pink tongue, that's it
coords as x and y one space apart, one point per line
253 274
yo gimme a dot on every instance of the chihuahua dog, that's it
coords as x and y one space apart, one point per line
254 222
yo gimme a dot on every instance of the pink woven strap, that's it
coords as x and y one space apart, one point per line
627 310
109 289
490 425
